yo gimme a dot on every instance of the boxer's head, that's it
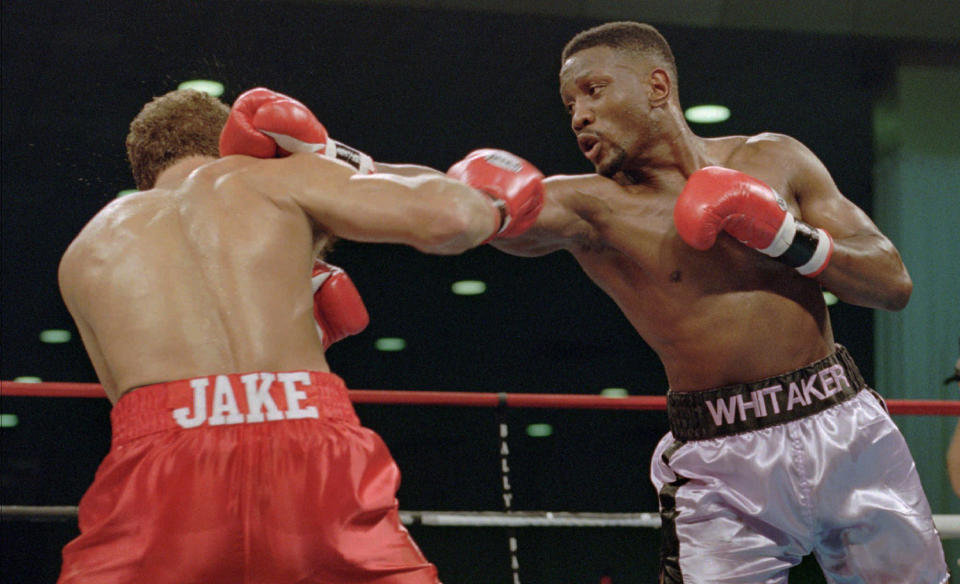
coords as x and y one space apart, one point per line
618 83
171 127
632 38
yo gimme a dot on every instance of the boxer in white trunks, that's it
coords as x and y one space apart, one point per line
717 251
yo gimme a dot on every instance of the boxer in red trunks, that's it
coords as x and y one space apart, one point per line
716 250
236 455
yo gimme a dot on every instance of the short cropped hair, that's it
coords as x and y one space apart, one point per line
632 37
174 126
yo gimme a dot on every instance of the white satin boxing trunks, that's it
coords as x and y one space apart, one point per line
753 477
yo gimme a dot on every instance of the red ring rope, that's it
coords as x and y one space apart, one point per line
477 399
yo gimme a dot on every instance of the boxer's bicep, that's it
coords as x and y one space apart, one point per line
821 202
564 222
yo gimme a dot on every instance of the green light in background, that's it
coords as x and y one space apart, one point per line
390 344
539 430
614 392
830 298
9 421
468 287
27 379
126 192
707 114
214 88
55 336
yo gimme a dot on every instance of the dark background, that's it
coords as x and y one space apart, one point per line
405 85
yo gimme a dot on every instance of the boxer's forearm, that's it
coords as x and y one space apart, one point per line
406 169
866 270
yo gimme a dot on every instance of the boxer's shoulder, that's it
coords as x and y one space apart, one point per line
570 188
762 148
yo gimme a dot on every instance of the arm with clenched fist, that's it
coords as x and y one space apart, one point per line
827 238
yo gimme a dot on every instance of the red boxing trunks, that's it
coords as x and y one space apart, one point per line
257 478
753 477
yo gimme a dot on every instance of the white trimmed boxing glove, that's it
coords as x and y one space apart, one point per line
338 309
515 185
266 124
717 198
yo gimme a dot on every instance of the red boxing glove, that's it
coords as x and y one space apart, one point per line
337 306
515 185
717 198
267 124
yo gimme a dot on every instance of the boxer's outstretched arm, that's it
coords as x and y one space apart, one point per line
430 212
567 220
404 169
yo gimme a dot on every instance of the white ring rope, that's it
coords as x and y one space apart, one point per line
947 525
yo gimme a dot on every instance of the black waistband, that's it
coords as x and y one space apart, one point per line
712 413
